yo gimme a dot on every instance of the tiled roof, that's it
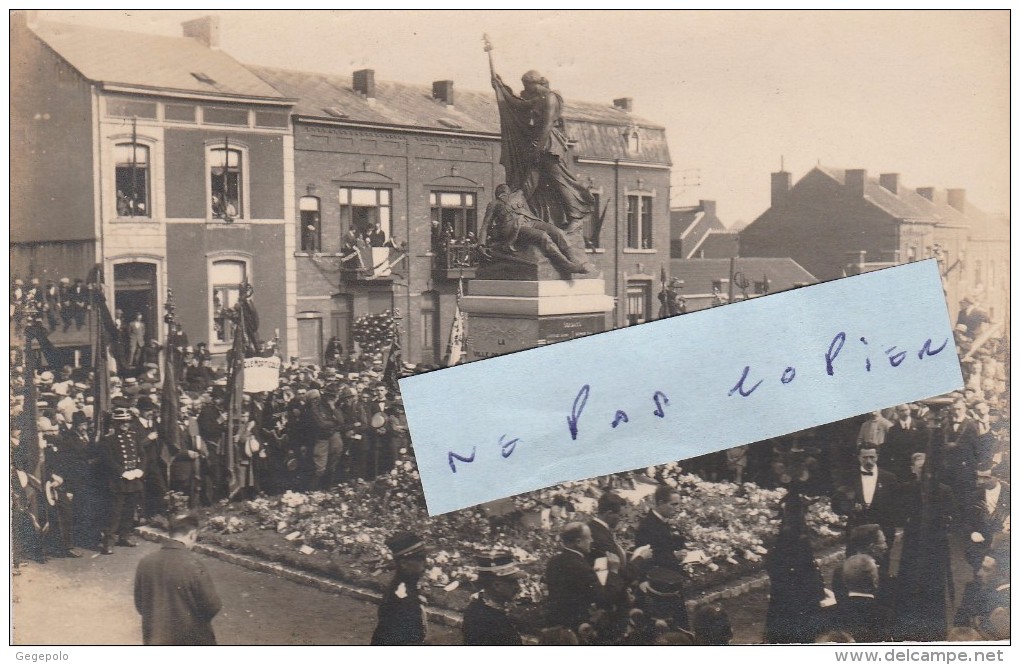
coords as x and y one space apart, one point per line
598 129
396 104
690 225
906 203
698 274
718 244
601 140
151 61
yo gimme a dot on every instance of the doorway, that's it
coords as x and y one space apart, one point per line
134 288
310 341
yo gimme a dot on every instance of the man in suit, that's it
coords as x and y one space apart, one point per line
985 514
486 619
654 530
860 614
173 591
136 340
902 440
51 296
961 450
211 429
401 615
122 461
869 497
154 458
622 571
574 587
324 425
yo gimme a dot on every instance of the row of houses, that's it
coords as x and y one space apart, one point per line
169 164
172 165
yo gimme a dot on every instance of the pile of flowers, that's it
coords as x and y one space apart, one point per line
374 332
727 526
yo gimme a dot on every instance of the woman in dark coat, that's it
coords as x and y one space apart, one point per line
796 586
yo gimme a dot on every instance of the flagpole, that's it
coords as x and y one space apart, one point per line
134 165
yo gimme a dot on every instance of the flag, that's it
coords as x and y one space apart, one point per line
391 371
245 338
455 349
103 331
169 406
663 296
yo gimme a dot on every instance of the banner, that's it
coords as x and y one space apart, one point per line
261 374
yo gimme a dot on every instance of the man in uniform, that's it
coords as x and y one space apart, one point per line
122 460
401 615
486 619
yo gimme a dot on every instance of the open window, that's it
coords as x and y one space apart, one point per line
132 178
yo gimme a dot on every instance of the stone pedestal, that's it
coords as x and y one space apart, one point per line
513 315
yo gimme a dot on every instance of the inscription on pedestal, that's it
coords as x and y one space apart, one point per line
561 328
490 336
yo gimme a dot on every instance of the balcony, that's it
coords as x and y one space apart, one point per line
456 258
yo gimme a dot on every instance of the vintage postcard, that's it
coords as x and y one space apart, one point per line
740 278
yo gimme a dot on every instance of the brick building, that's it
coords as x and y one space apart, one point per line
162 160
168 163
838 222
696 232
416 159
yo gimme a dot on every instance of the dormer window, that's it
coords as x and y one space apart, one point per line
633 140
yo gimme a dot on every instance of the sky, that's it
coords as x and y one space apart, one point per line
920 93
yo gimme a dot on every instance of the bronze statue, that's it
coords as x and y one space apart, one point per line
508 223
535 156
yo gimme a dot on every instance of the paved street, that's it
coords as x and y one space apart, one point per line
89 601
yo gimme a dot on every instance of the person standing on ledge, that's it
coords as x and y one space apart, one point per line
173 591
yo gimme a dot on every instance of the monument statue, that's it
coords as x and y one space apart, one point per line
535 157
509 226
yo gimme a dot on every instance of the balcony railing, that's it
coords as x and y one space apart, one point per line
457 257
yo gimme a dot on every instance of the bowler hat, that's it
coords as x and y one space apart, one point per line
664 581
405 543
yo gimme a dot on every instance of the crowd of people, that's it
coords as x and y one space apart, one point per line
322 426
926 480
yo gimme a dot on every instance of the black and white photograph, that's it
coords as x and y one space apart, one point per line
235 236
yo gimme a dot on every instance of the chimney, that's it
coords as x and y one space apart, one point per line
624 104
890 181
927 192
855 180
204 30
443 91
364 83
708 207
781 183
957 198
